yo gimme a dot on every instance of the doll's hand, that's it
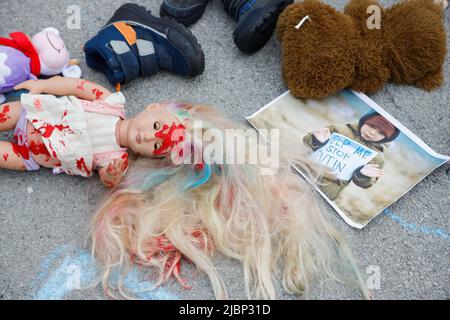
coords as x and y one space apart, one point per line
322 135
33 86
372 171
112 174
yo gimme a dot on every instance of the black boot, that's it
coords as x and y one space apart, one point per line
186 12
256 21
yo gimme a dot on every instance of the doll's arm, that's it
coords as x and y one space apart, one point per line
112 174
60 86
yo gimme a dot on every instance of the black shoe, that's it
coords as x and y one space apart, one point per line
186 12
256 21
134 43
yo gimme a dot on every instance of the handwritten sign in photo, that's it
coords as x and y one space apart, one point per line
342 156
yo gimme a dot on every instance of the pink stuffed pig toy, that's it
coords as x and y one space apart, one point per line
53 54
22 58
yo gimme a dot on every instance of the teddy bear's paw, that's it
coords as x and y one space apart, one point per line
431 81
442 3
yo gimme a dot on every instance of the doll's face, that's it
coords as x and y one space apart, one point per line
154 131
371 133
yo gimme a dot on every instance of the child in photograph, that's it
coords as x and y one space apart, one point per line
372 131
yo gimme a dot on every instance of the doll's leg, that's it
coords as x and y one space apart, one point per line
9 115
10 157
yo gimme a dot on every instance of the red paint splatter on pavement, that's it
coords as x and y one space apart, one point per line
4 114
81 165
98 93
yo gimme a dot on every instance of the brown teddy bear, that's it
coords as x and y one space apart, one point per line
325 50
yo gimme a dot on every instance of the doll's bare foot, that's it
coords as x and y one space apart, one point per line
442 3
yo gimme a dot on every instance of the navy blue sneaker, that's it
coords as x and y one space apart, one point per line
256 21
186 12
134 43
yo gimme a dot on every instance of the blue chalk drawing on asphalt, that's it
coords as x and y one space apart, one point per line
416 228
67 269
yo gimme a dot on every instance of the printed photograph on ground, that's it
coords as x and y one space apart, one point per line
367 159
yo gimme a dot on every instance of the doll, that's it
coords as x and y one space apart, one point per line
325 50
81 131
164 208
22 58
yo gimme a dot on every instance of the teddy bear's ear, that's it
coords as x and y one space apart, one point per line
319 50
52 30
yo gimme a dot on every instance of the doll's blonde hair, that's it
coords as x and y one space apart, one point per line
162 213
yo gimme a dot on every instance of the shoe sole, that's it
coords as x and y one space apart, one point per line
253 32
186 21
193 52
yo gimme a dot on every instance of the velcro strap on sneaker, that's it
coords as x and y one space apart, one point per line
147 55
128 61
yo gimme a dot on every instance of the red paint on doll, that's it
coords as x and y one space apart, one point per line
125 161
39 149
35 131
81 165
37 104
47 129
109 184
166 134
17 138
53 151
5 156
98 93
110 168
4 114
80 86
64 114
21 151
199 166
